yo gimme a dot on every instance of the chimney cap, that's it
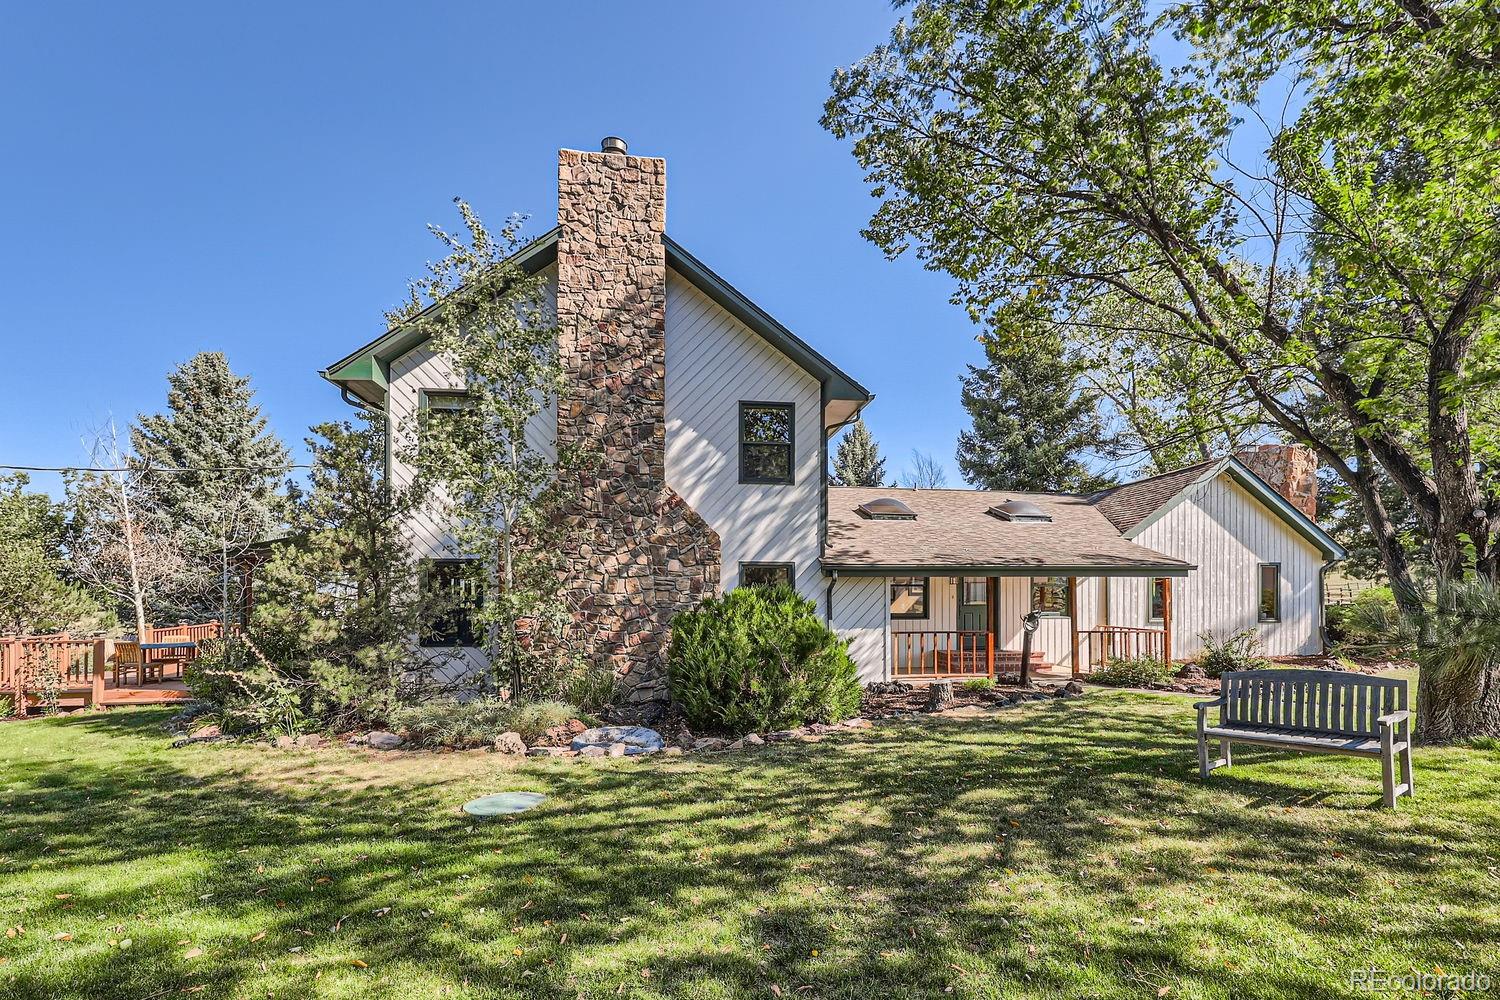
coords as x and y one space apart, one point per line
613 144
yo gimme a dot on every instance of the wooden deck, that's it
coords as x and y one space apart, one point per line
100 671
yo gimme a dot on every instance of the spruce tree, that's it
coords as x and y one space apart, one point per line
212 466
1031 424
857 461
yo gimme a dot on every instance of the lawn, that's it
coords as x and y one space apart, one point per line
1061 849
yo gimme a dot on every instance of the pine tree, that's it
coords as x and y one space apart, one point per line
857 461
212 466
1031 425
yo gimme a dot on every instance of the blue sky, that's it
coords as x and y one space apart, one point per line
256 180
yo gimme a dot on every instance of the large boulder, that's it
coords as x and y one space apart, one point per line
636 739
381 740
510 743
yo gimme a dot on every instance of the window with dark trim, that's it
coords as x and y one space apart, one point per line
1270 592
1158 599
457 582
767 440
1049 595
767 574
437 406
909 596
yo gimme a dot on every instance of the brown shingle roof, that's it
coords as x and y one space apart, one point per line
953 529
1129 504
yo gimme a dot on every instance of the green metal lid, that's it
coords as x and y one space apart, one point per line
504 803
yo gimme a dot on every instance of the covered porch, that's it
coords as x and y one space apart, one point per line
949 626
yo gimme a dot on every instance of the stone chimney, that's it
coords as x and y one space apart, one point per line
1289 469
634 553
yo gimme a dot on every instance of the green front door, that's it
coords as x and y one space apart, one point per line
973 604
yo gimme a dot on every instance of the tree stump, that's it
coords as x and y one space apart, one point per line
939 695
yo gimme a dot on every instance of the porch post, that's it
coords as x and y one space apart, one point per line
992 595
1166 621
1073 622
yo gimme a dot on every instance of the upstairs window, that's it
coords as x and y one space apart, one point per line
766 574
1270 592
1158 610
457 582
440 411
766 442
909 597
1050 596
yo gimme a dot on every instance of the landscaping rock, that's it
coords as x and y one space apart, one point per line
206 733
709 743
783 734
592 750
635 739
381 740
672 752
856 723
617 749
309 741
747 741
1192 672
285 743
510 743
1072 688
550 752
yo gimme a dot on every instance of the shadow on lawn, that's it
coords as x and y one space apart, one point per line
877 865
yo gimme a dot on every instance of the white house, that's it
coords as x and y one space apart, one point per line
714 422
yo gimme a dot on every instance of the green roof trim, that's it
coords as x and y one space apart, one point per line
1262 491
365 373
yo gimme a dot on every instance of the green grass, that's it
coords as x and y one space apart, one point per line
1059 849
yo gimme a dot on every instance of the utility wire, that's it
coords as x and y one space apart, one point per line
152 468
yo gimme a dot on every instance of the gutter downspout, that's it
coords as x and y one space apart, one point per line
833 578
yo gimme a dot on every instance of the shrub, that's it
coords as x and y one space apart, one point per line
978 684
1370 625
758 659
7 705
460 725
1140 671
248 694
1237 651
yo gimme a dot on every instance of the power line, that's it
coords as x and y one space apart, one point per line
153 468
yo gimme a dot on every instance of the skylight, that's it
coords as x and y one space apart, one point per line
1020 511
887 509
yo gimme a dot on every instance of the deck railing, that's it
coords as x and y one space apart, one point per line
1123 642
943 654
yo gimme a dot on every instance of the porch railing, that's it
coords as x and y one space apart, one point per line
943 654
1123 642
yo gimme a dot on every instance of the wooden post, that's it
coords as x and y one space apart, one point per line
1073 623
1166 621
104 650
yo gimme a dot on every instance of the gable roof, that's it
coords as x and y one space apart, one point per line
1134 507
954 531
1129 504
365 372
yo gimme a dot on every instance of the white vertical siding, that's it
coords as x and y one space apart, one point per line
713 363
1227 534
861 614
428 531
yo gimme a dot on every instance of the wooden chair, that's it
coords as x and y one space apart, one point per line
1312 711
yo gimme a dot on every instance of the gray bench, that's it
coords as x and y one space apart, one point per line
1312 711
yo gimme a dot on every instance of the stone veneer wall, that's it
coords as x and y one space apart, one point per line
1289 469
634 553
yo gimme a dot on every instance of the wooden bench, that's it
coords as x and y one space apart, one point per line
1312 711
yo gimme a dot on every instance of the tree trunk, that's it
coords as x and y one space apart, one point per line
939 695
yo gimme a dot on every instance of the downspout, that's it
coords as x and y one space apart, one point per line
833 578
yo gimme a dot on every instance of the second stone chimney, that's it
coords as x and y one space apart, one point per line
1289 469
635 552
